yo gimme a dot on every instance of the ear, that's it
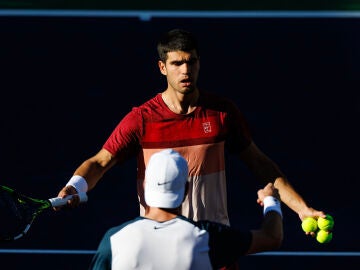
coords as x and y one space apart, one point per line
162 67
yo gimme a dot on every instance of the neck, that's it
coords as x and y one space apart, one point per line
180 103
161 214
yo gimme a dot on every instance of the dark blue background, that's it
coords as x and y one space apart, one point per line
66 82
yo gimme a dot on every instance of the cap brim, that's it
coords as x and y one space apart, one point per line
164 200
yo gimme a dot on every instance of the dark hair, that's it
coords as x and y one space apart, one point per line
176 40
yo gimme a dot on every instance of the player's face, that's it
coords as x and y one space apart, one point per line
181 70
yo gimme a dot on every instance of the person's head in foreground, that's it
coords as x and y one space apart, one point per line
167 240
165 179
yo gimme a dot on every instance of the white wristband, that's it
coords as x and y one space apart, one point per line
272 204
79 183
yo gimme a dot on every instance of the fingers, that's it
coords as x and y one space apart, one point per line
311 212
268 190
259 201
73 202
269 185
312 234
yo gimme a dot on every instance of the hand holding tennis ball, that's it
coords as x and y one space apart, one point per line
326 224
320 228
309 224
323 236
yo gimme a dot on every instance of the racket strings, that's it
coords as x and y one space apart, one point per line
17 212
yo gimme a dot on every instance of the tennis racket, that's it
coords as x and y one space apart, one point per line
18 212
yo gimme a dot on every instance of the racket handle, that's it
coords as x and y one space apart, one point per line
57 201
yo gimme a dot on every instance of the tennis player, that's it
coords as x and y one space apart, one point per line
199 125
164 239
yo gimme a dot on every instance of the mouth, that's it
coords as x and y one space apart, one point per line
186 82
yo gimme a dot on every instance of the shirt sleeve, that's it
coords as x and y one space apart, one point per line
123 142
102 258
226 244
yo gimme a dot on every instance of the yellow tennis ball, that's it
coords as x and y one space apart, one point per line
309 224
324 237
326 224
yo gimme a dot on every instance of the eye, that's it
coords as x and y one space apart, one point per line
192 61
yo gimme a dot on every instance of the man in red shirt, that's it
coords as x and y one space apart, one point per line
200 125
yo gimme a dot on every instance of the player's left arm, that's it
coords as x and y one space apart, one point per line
267 170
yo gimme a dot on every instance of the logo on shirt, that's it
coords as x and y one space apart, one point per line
207 127
163 183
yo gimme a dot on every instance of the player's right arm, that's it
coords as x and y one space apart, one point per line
123 142
87 175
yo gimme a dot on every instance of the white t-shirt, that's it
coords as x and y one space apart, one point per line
147 244
179 244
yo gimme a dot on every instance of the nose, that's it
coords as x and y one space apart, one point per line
185 68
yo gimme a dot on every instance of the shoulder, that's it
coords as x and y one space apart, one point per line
143 112
149 109
128 224
211 226
191 225
153 103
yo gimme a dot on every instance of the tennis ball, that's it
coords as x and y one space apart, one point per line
326 224
309 224
324 237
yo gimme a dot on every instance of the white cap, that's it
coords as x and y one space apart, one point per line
165 177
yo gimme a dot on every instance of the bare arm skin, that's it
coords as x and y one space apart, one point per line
270 235
92 170
95 167
266 170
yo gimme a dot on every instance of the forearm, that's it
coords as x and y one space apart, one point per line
93 169
289 195
266 170
272 224
270 235
273 227
263 168
91 172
